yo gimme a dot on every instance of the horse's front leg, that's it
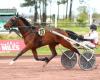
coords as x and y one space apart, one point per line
19 54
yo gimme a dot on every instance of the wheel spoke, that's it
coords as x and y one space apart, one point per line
87 60
68 59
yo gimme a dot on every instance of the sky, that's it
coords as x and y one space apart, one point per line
93 5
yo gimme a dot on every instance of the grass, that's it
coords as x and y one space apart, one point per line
43 51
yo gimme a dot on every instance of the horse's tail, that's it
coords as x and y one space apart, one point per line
74 35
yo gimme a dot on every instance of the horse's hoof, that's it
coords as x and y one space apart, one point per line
43 69
11 62
44 65
96 66
46 59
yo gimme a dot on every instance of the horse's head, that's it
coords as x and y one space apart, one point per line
13 22
16 22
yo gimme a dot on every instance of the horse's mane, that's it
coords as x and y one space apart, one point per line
25 21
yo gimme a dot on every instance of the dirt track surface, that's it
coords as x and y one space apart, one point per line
28 69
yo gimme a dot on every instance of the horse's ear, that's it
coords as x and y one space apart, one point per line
17 15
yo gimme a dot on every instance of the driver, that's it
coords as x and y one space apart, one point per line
92 37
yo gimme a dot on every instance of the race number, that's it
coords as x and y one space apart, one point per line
41 31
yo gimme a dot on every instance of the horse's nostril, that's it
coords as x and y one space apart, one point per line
6 27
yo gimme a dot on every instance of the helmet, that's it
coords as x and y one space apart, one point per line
93 27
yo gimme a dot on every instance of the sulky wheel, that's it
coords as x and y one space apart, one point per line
87 60
68 59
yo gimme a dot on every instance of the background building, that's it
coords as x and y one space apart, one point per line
5 15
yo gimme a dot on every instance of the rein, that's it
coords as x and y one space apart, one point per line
13 22
40 31
16 31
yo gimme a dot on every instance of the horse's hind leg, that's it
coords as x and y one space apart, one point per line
36 56
54 53
69 46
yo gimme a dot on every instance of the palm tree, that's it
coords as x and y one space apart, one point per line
32 3
44 12
50 1
70 11
40 8
62 2
66 7
58 3
65 2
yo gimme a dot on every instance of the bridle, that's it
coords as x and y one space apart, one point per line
14 24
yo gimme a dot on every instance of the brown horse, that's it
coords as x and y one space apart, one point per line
33 40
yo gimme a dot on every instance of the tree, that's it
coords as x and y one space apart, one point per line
32 3
62 2
70 10
83 15
44 12
58 3
96 16
65 2
70 7
66 7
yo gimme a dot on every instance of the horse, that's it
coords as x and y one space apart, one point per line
33 40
